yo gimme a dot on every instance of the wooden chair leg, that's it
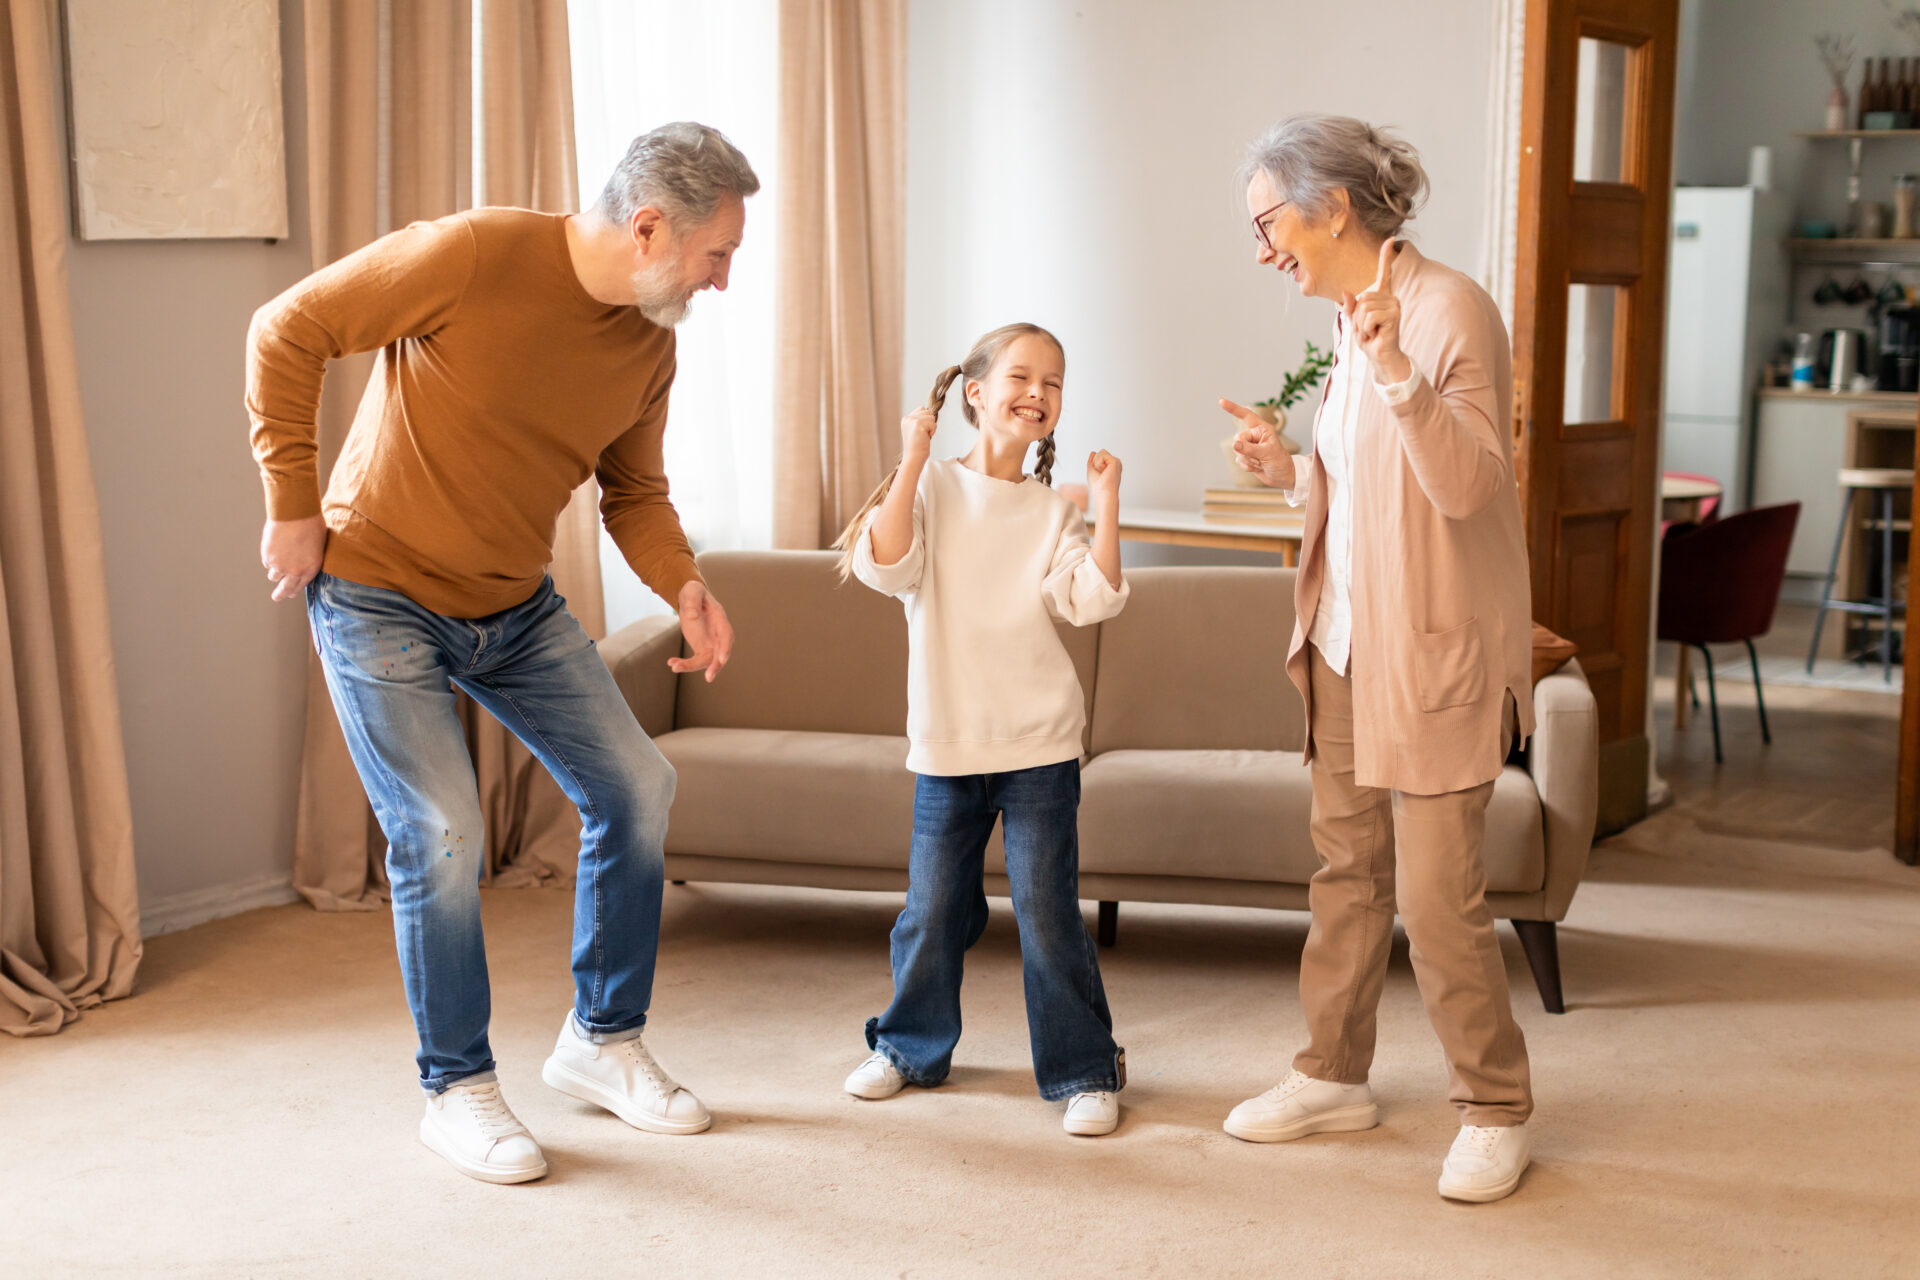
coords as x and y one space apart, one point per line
1542 945
1109 923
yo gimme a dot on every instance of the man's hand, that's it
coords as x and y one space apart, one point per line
292 551
708 633
1258 449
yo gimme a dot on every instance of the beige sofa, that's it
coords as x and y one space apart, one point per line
792 765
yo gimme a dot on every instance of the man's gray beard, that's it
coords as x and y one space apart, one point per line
657 294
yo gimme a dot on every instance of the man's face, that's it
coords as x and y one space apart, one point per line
671 267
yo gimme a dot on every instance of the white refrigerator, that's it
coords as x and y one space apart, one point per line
1726 311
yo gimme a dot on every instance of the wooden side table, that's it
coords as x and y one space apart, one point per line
1170 526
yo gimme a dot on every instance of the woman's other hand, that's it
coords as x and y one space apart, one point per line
1258 449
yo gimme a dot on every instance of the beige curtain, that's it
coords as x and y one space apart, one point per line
391 139
842 260
69 905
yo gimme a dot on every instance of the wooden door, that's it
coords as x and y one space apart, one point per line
1590 301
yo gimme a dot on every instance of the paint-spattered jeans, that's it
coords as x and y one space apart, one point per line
392 667
946 911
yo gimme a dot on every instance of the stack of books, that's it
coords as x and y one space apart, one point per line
1248 506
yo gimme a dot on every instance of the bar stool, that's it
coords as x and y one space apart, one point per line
1885 482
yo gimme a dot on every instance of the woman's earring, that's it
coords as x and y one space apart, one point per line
1336 233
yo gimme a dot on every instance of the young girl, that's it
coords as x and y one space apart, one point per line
985 559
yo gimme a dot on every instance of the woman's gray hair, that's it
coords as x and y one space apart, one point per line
1309 157
681 169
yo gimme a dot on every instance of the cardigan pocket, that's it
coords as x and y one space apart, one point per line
1450 666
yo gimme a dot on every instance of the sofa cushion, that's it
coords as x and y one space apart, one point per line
814 654
1232 815
843 798
1244 815
1197 660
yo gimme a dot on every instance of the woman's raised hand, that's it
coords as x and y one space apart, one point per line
1375 319
916 436
1258 449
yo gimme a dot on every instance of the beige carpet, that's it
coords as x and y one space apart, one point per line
1734 1091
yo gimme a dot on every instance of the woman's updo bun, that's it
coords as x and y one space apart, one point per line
1309 157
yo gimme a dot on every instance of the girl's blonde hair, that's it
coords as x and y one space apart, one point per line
978 364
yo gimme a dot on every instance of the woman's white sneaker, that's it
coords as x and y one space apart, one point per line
623 1078
471 1127
1092 1114
1300 1105
876 1078
1485 1163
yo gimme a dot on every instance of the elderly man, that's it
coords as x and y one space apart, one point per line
520 353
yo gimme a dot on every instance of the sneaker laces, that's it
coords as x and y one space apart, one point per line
490 1112
636 1052
1293 1084
1476 1140
1097 1097
878 1059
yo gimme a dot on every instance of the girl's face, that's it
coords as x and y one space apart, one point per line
1297 249
1019 399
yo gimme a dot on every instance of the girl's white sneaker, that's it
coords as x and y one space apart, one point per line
1485 1163
876 1078
1092 1114
471 1127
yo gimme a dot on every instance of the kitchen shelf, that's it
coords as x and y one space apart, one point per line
1895 253
1836 134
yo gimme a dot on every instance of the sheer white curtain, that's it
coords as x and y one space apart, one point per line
641 63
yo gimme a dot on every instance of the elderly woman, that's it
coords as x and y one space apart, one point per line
1412 641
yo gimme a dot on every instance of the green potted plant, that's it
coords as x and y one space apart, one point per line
1274 409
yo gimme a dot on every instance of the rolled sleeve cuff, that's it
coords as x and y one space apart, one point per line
888 579
1399 393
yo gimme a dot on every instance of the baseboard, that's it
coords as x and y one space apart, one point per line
179 911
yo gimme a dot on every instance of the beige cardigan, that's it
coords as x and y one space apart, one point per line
1442 617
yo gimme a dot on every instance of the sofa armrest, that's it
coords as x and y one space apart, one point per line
1564 759
637 655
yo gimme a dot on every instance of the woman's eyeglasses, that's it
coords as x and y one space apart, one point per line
1260 225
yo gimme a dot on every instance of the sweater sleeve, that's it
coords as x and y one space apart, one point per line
902 577
403 285
1076 589
1450 426
634 501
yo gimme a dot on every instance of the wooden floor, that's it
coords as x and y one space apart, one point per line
1828 777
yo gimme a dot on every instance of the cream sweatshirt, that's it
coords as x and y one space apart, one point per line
990 688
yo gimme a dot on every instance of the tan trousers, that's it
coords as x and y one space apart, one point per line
1378 847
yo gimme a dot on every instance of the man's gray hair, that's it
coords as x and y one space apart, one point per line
681 169
1309 157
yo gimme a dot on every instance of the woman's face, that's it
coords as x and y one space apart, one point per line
1296 248
1019 399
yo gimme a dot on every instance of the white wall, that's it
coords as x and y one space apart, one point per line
1073 164
212 674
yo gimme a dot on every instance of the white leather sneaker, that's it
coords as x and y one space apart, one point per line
1092 1114
1485 1163
623 1078
876 1078
472 1129
1300 1105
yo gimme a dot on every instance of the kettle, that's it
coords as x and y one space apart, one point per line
1843 354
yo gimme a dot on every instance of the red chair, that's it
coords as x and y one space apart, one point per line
1719 583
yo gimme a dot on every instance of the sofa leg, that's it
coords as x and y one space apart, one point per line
1109 923
679 881
1542 945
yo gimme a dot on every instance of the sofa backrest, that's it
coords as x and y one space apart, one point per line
1197 660
813 654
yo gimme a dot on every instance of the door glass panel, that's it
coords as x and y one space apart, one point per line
1592 312
1600 111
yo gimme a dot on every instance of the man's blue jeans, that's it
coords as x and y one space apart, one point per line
946 911
392 667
